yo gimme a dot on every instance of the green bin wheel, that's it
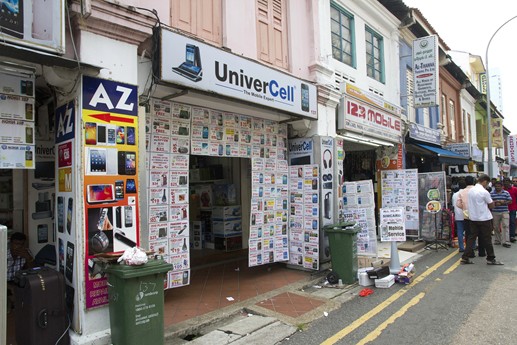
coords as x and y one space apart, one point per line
333 278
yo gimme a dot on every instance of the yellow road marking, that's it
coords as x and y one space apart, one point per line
363 319
453 267
377 332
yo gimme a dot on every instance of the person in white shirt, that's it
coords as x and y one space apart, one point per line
458 217
479 205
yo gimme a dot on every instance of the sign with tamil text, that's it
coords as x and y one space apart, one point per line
425 71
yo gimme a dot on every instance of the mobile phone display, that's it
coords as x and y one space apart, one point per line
126 163
60 214
119 189
102 218
98 193
97 161
69 215
121 135
101 134
130 186
130 135
111 134
69 272
128 216
90 133
305 97
42 233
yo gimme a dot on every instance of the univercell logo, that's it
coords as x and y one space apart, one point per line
256 87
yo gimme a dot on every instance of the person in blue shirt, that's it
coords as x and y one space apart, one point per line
501 220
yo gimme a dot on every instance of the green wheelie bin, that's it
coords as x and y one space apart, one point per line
136 302
343 251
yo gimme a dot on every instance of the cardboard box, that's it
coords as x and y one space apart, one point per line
227 228
228 243
371 261
224 194
226 212
404 278
379 272
385 282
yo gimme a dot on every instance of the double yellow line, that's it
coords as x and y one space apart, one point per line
363 319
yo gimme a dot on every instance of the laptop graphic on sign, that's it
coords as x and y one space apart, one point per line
191 68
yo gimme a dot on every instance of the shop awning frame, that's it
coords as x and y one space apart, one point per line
364 140
444 156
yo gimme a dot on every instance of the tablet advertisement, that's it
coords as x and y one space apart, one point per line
110 140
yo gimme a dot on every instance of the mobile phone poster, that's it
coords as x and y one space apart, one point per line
109 130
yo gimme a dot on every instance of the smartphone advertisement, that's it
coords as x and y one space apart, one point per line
109 146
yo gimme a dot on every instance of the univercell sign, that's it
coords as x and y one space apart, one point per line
197 65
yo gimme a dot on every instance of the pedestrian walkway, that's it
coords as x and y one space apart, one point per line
234 303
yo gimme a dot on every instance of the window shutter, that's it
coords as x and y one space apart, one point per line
202 18
271 32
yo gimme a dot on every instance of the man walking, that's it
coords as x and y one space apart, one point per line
458 216
462 202
479 205
501 220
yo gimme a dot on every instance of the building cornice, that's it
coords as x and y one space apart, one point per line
112 20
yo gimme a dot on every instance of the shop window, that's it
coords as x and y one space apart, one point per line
272 32
374 55
452 120
342 35
444 119
202 18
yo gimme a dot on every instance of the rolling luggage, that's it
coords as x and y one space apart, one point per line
40 311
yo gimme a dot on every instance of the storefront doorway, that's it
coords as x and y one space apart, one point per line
220 191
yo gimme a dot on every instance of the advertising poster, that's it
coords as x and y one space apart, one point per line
432 200
17 126
400 188
392 224
109 128
359 206
268 241
168 181
65 209
304 241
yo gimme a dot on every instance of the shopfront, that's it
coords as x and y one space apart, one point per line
218 176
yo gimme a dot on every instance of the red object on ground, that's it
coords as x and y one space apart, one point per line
365 292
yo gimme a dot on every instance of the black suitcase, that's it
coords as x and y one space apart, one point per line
40 311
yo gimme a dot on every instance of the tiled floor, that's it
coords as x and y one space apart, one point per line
218 286
290 304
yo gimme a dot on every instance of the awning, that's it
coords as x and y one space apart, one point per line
444 156
40 57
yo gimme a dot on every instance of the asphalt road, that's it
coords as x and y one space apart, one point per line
447 303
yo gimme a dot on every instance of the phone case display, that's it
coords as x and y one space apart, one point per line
17 129
110 141
400 188
168 193
432 199
304 217
359 206
268 240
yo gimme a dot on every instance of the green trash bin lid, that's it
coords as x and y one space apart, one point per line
128 272
349 227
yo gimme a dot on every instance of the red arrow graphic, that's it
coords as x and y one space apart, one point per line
107 117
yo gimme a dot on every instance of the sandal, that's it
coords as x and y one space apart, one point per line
494 262
466 261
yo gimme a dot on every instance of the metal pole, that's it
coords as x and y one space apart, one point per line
488 108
